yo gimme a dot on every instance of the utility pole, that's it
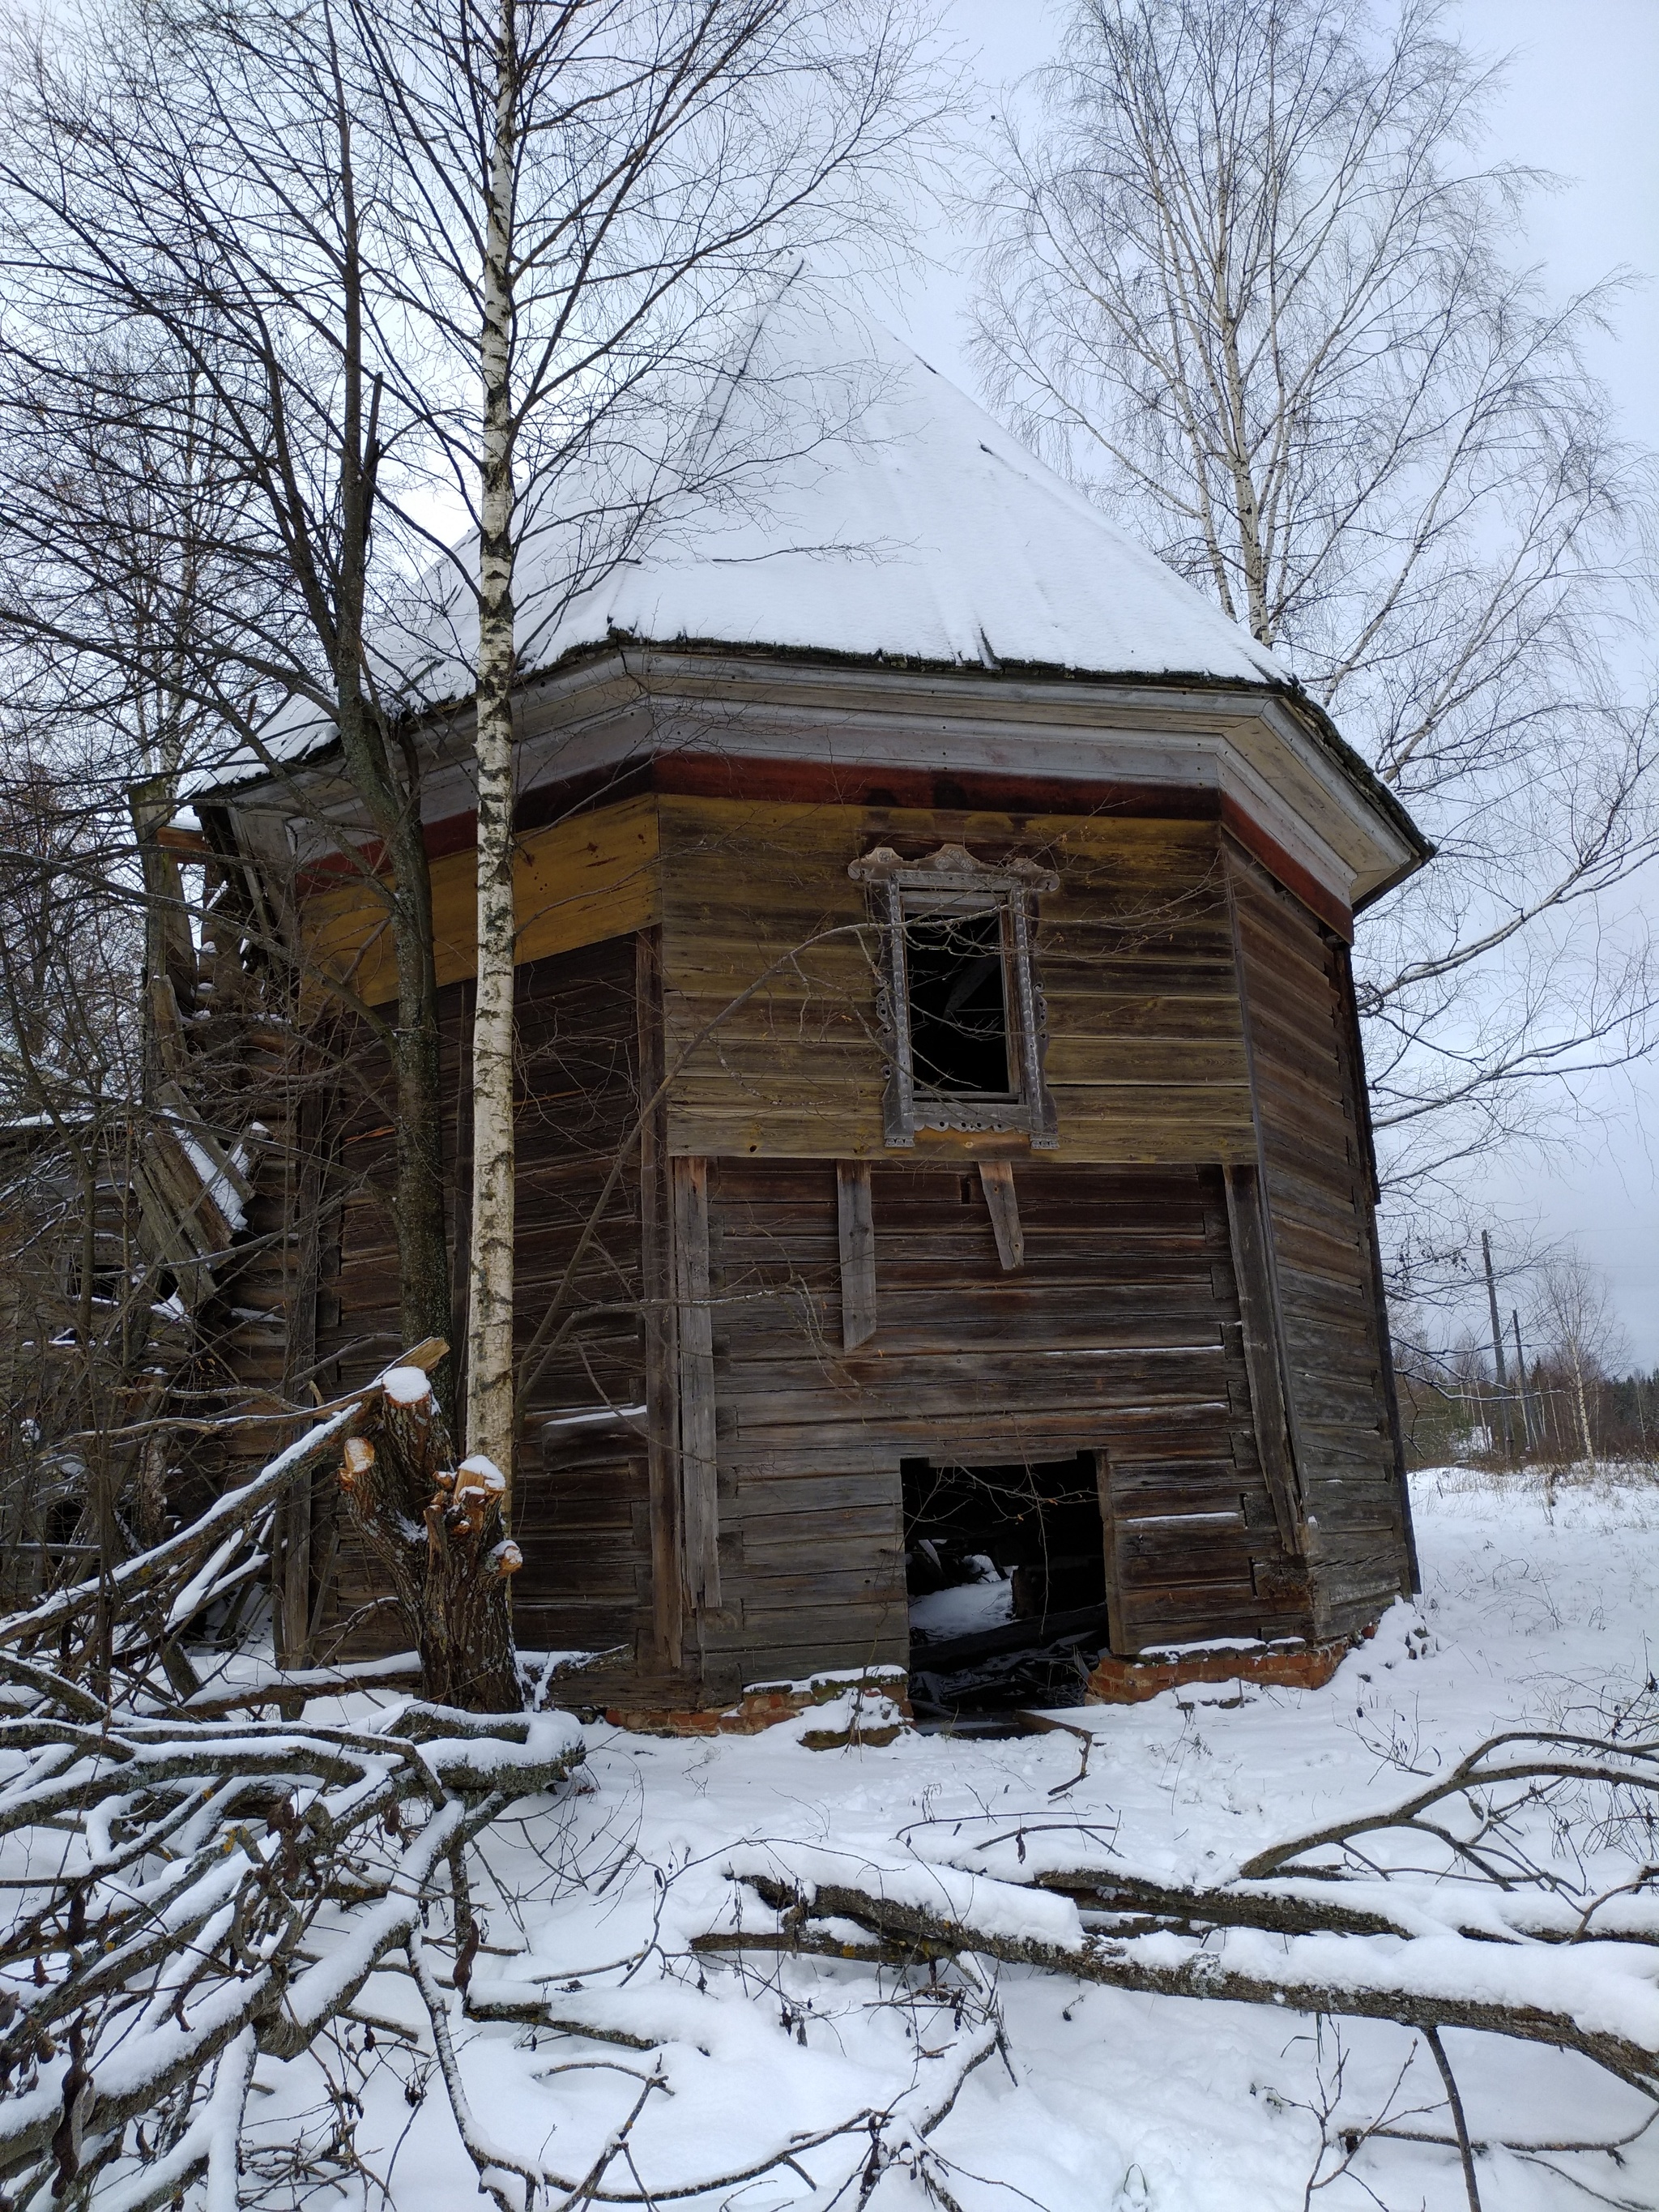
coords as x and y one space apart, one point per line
1497 1348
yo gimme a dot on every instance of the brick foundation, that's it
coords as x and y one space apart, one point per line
875 1708
1288 1665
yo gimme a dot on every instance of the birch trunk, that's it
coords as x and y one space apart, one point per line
489 1422
1583 1411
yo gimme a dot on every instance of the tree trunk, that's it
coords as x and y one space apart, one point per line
489 1418
393 801
1583 1411
437 1534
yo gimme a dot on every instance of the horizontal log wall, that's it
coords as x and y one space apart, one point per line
1120 1332
770 985
581 1512
1316 1184
575 884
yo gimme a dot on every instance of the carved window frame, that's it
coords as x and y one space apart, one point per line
1009 890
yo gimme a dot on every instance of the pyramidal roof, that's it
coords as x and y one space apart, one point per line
912 526
841 497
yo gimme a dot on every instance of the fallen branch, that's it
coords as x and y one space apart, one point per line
1423 1984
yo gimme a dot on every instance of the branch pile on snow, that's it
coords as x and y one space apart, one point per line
435 1530
198 1901
126 1627
185 1898
1515 1896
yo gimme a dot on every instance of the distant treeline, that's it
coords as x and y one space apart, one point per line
1464 1414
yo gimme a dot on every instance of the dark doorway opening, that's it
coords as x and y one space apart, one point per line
1006 1572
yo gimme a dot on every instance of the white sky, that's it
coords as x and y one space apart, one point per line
1581 93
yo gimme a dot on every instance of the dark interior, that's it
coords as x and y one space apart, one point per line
959 1002
1023 1544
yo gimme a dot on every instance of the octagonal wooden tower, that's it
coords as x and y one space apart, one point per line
942 914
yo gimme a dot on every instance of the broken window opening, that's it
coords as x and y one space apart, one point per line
1005 1575
956 971
957 1003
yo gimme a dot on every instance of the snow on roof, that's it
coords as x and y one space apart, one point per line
864 505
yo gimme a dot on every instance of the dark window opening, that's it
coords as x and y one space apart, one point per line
1005 1573
958 987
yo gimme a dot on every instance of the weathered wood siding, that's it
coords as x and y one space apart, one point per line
769 980
1316 1182
579 882
1197 1020
1120 1334
582 1511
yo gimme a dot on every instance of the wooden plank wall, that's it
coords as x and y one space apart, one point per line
1145 1058
1317 1185
582 1514
1120 1332
575 882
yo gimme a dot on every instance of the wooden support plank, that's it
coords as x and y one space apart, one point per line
1117 1633
997 1177
657 1292
1262 1350
700 1519
172 1100
856 1223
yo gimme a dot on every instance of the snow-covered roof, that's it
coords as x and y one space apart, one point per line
921 530
853 502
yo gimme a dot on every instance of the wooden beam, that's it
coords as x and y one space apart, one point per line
998 1178
700 1518
1118 1634
1247 1229
657 1291
858 1253
1358 1105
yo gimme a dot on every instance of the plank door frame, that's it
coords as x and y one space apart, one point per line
1116 1627
659 1310
699 1502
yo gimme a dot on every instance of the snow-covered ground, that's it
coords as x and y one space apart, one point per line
1535 1610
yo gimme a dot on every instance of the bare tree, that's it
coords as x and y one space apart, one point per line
1575 1325
1244 278
598 197
194 349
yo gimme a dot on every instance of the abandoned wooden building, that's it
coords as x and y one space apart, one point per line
946 1231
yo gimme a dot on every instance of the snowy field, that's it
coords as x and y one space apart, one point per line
1534 1610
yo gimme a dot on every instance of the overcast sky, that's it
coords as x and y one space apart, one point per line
1581 98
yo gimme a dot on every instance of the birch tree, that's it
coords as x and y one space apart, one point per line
1573 1319
599 194
1246 277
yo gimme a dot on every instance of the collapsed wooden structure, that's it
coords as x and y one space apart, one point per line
944 1155
152 1234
